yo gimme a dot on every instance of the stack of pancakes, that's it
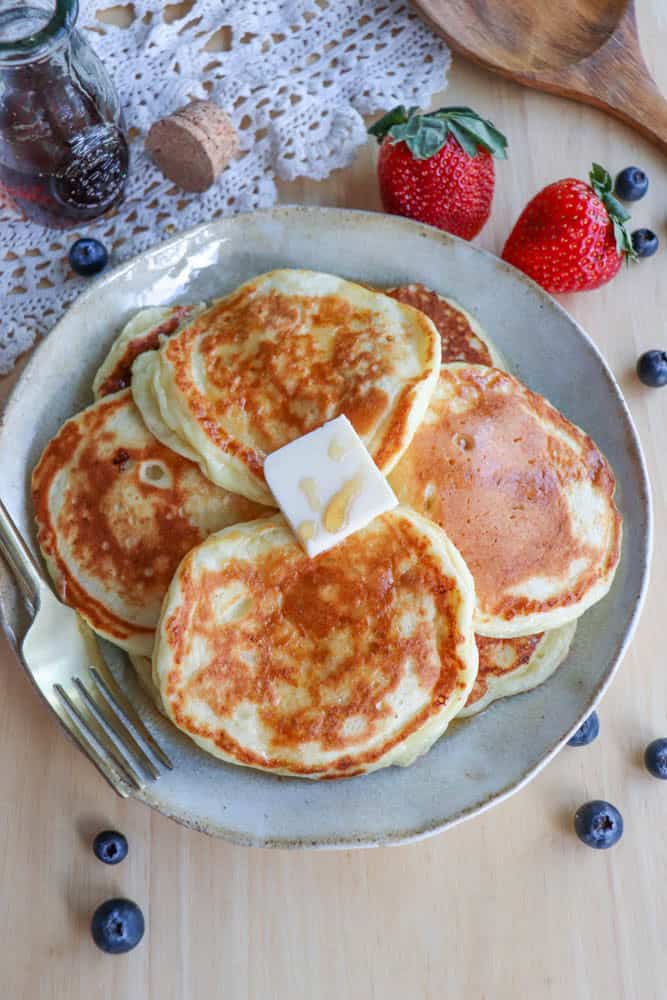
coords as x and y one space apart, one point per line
156 523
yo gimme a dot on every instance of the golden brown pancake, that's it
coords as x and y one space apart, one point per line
280 356
324 667
511 666
525 496
461 335
116 511
500 656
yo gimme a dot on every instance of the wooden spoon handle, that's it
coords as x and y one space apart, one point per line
645 109
616 79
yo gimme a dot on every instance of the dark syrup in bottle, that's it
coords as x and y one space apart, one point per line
63 151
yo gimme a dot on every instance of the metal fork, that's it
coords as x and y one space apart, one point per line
61 655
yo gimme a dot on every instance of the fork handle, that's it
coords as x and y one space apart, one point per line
19 558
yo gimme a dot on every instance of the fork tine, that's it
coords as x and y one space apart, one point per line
103 740
117 779
117 731
120 704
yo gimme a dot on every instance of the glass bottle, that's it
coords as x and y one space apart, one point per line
63 148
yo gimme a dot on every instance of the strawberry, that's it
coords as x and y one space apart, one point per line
438 167
571 237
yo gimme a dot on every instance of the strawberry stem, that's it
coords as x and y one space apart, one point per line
426 134
602 184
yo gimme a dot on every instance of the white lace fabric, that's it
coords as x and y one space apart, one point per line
296 77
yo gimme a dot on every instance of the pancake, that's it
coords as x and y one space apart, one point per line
144 332
525 496
461 336
511 666
279 357
318 668
116 511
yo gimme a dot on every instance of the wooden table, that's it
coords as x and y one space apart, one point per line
510 905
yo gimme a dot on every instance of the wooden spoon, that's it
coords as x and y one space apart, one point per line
584 49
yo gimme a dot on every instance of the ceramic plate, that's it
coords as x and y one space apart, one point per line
480 761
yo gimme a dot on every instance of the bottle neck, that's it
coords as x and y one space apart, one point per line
31 33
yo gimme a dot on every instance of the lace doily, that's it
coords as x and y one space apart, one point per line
296 76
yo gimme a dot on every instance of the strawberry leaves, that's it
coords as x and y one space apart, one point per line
472 132
602 184
426 134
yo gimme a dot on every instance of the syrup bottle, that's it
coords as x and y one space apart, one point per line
63 148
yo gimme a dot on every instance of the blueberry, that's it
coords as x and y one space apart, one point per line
652 368
655 758
117 926
631 184
88 257
110 847
645 242
599 824
586 733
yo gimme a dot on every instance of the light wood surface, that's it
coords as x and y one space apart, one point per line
506 907
587 50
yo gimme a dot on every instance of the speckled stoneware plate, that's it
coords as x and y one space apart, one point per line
480 761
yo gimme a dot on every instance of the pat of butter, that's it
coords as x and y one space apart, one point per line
327 485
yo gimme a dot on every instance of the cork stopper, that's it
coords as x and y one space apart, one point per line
192 145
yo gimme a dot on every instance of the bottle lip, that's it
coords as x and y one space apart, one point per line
57 28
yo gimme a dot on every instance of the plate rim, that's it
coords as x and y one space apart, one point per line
284 213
